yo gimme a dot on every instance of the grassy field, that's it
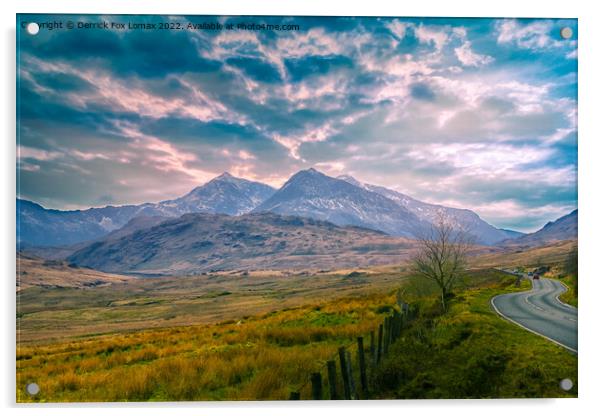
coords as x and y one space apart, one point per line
551 254
55 313
261 357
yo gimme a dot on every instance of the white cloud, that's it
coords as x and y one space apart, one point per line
332 168
325 93
572 55
488 159
311 135
133 96
428 34
25 152
398 28
468 57
534 35
313 42
161 154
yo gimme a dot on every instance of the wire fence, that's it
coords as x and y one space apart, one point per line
349 371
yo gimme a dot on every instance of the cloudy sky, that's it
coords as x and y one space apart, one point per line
471 113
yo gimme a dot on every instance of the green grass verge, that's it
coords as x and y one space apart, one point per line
570 296
471 352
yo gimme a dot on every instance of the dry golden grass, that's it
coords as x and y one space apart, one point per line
46 273
45 314
262 357
553 253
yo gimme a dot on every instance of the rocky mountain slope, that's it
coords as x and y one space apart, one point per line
196 243
463 219
312 194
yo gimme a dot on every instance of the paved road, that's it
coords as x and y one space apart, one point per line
540 311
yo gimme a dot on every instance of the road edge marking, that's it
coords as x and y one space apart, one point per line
524 327
558 296
528 302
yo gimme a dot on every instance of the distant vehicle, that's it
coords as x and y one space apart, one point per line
530 274
535 276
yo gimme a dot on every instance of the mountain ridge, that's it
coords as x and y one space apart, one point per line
461 218
40 226
563 228
314 194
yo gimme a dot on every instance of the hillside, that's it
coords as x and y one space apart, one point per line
564 228
33 271
196 243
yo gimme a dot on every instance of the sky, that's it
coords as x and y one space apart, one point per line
469 113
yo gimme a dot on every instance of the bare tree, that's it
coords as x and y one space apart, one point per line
441 255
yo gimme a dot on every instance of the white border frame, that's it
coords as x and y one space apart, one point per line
590 34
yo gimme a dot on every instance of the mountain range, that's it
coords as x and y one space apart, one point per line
225 194
342 201
199 243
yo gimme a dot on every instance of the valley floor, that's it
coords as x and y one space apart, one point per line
47 314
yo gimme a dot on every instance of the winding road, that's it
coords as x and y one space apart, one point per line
540 311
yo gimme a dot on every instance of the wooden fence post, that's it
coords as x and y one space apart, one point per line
379 351
401 322
352 388
406 311
362 362
316 386
397 326
345 373
387 335
372 349
332 379
295 395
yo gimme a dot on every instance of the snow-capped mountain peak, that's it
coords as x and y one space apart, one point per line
310 193
224 194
